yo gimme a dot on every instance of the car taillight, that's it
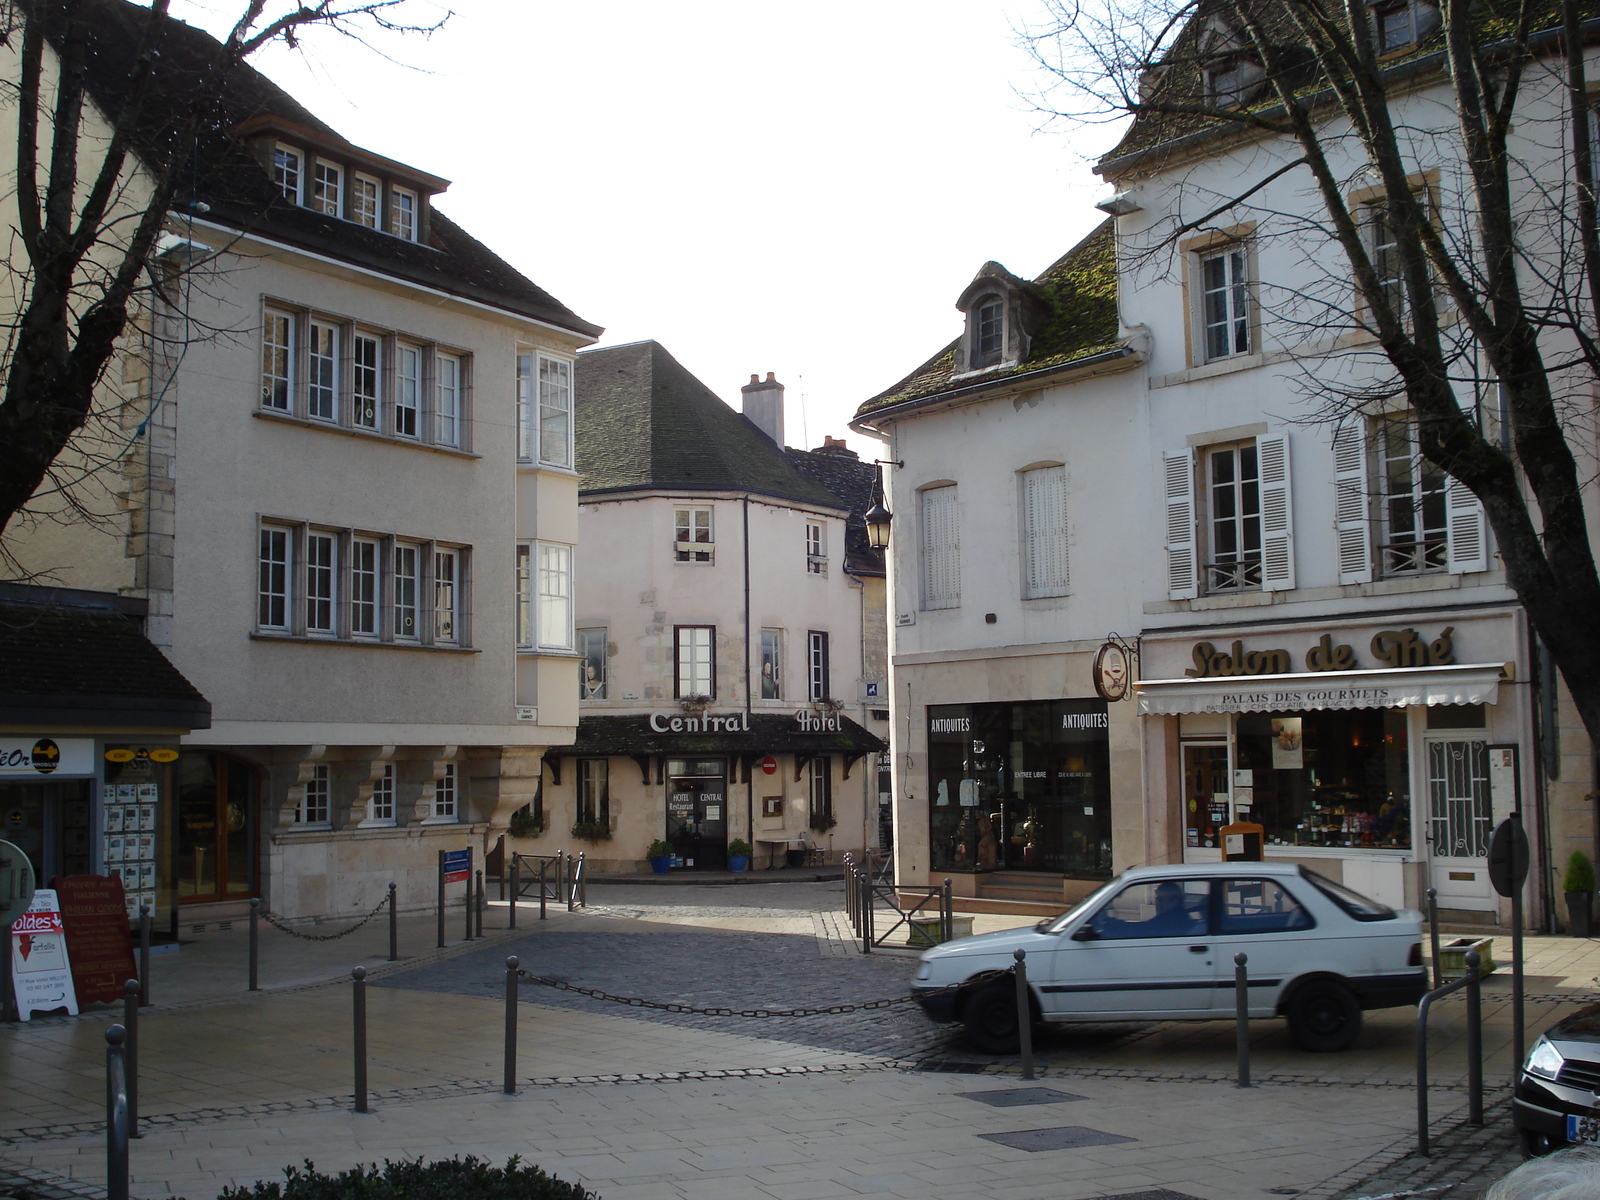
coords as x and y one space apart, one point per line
1416 955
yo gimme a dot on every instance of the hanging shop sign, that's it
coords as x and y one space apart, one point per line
1112 672
36 756
40 969
1398 648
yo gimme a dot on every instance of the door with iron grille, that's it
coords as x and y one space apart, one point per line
1460 821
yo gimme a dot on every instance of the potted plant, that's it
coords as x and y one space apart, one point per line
738 854
660 856
525 823
1578 884
821 822
592 831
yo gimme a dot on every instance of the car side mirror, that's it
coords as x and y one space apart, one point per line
1085 933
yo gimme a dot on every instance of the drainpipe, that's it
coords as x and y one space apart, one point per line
749 782
1543 697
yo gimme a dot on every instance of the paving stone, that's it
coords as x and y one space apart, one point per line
1018 1097
1062 1137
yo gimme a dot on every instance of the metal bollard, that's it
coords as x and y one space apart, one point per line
441 900
866 913
947 914
130 1053
1474 1040
359 996
1024 1013
144 956
8 989
477 907
544 865
512 924
466 906
1241 1015
510 1088
255 944
394 928
116 1116
1433 937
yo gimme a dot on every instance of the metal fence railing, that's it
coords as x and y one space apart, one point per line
878 908
1470 982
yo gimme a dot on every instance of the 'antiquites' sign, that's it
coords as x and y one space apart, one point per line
1391 647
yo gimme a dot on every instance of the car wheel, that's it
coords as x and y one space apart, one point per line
1324 1016
990 1019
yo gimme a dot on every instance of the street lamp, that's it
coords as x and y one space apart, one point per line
877 518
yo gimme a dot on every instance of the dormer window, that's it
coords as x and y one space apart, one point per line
989 333
1400 24
403 214
287 168
366 200
327 182
1002 313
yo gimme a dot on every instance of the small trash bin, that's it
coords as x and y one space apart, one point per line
794 858
927 931
1453 956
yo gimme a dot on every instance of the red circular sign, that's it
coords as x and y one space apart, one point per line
769 765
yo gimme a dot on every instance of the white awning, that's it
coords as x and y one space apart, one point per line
1472 683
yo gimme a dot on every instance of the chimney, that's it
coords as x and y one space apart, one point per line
836 447
763 404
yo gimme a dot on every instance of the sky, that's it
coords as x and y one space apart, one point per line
801 189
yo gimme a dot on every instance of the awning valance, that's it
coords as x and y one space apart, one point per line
1472 683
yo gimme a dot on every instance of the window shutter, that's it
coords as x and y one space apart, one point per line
1465 528
1351 514
1044 541
1277 515
941 549
1183 582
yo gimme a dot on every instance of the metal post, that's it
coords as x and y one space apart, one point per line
1518 1025
477 908
394 928
866 913
568 882
255 944
1433 934
1241 1015
1024 1013
468 908
544 865
8 1000
1474 1041
513 872
116 1116
583 882
947 912
510 1088
504 851
441 899
130 1054
144 956
359 995
1422 1074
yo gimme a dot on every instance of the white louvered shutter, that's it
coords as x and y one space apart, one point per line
1044 531
1183 577
1277 514
941 549
1465 528
1351 512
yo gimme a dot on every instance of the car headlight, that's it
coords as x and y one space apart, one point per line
1545 1061
925 971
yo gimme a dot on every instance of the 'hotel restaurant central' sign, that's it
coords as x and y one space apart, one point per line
805 721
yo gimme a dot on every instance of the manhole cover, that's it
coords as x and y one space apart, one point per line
1017 1097
1152 1194
1065 1137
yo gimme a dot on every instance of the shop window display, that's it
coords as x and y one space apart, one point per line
1020 787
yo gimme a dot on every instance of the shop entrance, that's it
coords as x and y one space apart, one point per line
216 828
1205 795
697 813
49 822
1460 821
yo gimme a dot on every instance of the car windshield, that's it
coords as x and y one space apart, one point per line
1057 924
1354 903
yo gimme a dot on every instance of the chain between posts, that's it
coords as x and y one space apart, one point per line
272 919
672 1007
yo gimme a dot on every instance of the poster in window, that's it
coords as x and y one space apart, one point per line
1287 744
969 793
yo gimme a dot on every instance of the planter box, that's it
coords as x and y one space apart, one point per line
926 931
1453 956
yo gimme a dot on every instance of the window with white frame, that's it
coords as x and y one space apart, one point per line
444 794
404 587
316 802
403 213
1383 249
446 594
817 664
692 535
327 184
322 372
555 411
287 172
695 671
1225 302
941 548
1402 24
272 578
1044 532
407 390
555 596
367 358
988 332
1229 524
527 410
772 664
525 613
364 557
592 664
380 809
366 196
321 574
1414 528
447 399
277 361
594 792
1233 518
821 780
816 549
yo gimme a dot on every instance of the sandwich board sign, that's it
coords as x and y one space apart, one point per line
39 966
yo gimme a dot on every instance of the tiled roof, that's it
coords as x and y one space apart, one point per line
73 658
854 482
1079 291
237 191
644 423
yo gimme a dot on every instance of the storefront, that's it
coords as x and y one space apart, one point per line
1383 752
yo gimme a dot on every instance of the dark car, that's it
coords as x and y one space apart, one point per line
1557 1102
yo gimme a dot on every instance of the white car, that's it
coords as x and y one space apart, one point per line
1157 944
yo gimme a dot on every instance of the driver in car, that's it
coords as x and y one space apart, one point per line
1171 919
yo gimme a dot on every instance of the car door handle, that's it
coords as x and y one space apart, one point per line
1198 949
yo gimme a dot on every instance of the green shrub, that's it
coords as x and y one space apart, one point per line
1580 873
468 1178
592 831
525 823
658 849
738 848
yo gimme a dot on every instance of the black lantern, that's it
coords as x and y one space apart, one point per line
877 518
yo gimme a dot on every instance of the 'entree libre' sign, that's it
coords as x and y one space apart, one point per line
805 721
1392 647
